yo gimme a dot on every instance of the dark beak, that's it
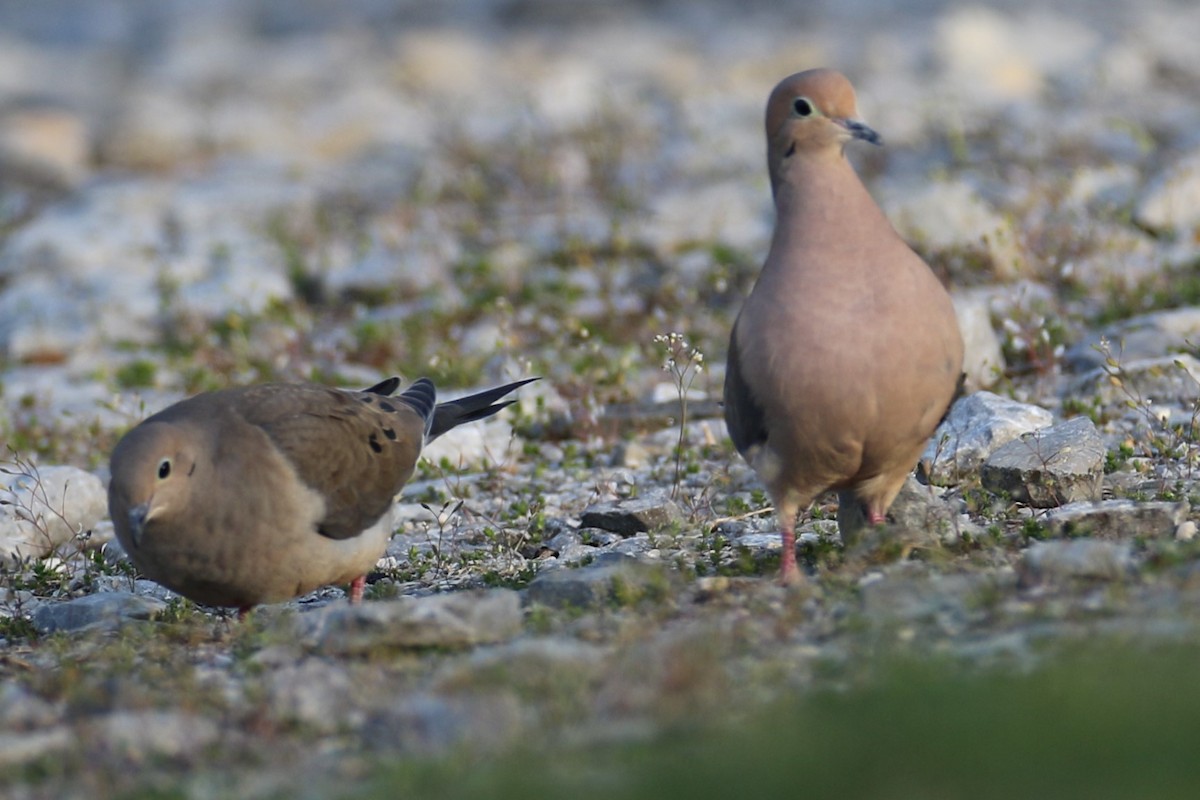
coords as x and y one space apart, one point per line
137 523
860 130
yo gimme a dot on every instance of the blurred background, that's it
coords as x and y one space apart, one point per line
193 195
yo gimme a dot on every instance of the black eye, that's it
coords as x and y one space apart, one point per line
802 107
164 469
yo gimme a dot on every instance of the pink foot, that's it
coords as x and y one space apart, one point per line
244 612
876 518
356 589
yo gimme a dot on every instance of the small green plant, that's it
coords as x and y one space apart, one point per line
137 374
441 518
684 363
1034 529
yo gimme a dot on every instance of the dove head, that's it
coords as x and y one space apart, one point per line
152 468
812 113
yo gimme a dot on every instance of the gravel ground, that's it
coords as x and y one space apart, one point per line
201 195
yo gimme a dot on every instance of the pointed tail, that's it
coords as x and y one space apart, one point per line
453 413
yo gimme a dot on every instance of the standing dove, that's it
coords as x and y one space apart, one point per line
259 494
847 352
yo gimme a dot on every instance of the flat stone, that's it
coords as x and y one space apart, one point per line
312 692
459 619
612 577
104 610
1164 379
977 426
1049 467
1077 558
138 735
628 517
21 748
1123 520
430 725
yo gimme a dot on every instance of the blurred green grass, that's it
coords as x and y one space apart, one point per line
1108 720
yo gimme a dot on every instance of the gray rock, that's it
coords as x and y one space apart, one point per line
611 578
1077 558
137 735
627 517
1165 379
570 547
44 508
921 508
1049 467
105 610
544 655
977 425
1117 519
1172 200
1146 336
460 619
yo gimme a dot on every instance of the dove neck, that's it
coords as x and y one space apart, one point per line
820 203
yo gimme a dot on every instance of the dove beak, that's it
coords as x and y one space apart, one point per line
860 130
137 523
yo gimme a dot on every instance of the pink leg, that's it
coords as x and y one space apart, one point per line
876 517
356 589
789 573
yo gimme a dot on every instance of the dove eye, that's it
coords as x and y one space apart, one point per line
164 469
802 107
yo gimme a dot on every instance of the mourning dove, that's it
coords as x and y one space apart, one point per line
259 494
847 352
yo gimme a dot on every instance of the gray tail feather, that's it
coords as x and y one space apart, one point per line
420 396
386 387
453 413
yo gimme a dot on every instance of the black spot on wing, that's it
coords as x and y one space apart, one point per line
390 433
373 440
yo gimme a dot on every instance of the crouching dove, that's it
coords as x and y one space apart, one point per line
847 352
259 494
